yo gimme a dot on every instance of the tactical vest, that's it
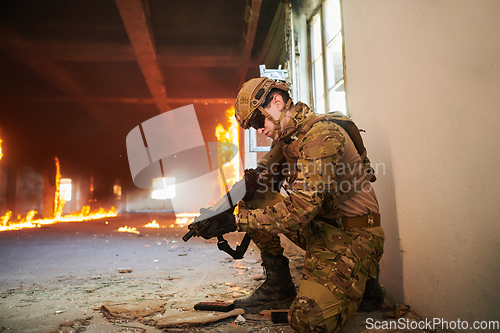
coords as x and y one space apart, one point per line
360 173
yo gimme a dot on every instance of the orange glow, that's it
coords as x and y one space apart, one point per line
1 154
184 219
132 230
92 185
152 224
4 219
230 169
58 201
28 222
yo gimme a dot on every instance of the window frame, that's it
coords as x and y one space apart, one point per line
320 13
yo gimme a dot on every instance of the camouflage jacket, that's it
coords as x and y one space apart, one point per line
312 158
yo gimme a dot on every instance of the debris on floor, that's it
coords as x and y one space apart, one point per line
78 325
196 318
95 280
132 310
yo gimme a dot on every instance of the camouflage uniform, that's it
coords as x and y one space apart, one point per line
338 261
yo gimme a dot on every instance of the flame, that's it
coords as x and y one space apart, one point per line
29 222
230 169
183 219
129 229
152 224
58 200
1 154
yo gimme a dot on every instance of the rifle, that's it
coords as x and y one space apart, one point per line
245 188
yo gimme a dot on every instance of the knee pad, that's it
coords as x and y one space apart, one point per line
307 316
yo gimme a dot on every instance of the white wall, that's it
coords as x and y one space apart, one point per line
423 78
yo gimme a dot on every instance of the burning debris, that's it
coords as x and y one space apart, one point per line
152 224
132 230
29 222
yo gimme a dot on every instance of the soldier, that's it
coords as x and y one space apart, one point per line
329 210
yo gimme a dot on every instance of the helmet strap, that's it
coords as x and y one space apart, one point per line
277 123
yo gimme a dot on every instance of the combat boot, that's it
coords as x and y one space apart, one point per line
373 298
277 291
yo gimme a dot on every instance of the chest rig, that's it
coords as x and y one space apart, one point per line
358 173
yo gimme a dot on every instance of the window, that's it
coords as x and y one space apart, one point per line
164 188
65 188
117 189
327 66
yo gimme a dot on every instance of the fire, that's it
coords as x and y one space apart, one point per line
58 200
29 222
1 154
132 230
183 219
152 224
230 169
4 219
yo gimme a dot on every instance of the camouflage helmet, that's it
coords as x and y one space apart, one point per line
251 96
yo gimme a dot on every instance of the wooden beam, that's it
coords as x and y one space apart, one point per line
199 61
56 75
112 100
86 51
83 51
137 27
250 38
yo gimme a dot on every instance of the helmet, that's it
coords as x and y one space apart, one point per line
251 96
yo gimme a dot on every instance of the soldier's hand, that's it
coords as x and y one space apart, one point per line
197 224
217 225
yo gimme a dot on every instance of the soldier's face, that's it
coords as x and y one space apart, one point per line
274 108
268 129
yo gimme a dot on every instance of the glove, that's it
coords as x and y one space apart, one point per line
217 225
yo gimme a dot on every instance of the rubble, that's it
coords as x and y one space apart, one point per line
196 318
46 288
133 310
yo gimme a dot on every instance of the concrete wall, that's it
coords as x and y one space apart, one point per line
423 79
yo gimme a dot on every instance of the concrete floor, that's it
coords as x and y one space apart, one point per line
56 278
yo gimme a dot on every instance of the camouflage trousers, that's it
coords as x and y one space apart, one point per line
338 262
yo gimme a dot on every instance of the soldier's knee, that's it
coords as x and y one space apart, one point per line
307 316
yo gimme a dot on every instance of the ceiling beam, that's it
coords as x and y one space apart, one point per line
136 24
84 51
56 75
249 41
113 100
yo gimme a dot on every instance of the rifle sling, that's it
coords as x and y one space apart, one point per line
223 245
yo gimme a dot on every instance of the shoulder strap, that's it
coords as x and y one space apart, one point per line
341 120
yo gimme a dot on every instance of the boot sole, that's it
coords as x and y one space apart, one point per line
273 305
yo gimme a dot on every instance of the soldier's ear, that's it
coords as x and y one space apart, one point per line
278 100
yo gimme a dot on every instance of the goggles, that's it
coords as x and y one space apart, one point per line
258 120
